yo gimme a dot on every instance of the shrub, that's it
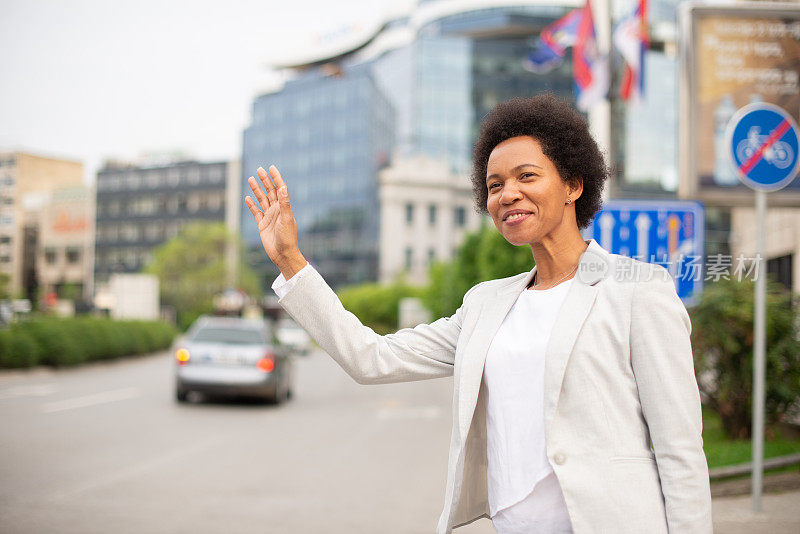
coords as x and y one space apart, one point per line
722 341
63 342
56 343
17 349
375 305
484 255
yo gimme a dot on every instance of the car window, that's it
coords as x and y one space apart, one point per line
235 336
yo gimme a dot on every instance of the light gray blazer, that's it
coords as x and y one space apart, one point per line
619 375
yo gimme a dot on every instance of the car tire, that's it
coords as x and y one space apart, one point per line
181 395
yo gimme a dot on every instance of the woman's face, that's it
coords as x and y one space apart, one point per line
521 179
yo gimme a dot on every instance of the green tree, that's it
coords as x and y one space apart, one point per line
191 269
484 255
722 341
5 281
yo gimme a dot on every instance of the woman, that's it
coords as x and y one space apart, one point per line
564 375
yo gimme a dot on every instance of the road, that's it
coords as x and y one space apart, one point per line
104 448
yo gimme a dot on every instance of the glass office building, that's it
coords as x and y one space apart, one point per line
343 117
141 207
329 135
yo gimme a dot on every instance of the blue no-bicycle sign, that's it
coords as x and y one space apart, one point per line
763 143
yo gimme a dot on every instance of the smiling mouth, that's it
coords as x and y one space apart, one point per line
517 217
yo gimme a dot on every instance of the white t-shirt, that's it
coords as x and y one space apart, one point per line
514 377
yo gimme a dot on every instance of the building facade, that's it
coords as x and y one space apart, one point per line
782 242
425 211
65 254
415 84
139 207
329 136
28 186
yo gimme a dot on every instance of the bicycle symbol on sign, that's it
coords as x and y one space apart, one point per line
779 154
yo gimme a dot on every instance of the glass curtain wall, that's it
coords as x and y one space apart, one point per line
327 135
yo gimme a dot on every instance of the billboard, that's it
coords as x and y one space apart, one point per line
731 56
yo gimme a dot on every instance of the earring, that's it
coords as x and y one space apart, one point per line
569 200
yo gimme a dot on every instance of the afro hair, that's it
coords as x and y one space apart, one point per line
565 139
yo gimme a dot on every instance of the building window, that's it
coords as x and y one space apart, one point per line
130 232
215 201
409 213
217 174
134 181
460 216
114 182
409 257
194 176
153 178
73 255
5 259
4 240
50 255
432 214
194 202
130 258
174 176
431 256
780 269
172 205
113 208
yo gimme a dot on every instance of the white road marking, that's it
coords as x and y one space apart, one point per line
422 412
131 471
91 400
28 390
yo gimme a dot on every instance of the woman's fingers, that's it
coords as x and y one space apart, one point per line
276 175
259 193
271 191
253 208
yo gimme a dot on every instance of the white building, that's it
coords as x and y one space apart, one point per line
782 243
425 210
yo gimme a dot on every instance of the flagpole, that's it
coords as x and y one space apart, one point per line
600 120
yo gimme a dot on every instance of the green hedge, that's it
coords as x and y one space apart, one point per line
376 305
64 342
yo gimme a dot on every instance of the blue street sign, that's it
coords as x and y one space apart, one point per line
762 140
667 232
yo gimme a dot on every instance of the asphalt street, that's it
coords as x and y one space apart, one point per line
104 448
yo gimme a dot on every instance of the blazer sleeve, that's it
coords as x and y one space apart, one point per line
661 357
425 351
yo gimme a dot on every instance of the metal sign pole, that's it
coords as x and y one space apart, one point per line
759 352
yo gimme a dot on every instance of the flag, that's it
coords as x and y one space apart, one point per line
631 39
589 66
553 43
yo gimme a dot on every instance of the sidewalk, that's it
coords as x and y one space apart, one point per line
780 514
780 505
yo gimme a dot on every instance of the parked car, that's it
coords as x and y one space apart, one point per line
293 336
232 356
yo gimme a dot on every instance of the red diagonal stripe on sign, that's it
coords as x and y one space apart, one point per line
776 134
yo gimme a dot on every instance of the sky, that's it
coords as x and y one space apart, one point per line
89 80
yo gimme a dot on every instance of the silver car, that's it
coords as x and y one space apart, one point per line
232 356
292 335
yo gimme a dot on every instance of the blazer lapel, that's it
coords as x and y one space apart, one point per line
593 267
493 312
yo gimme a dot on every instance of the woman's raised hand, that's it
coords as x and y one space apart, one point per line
276 224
